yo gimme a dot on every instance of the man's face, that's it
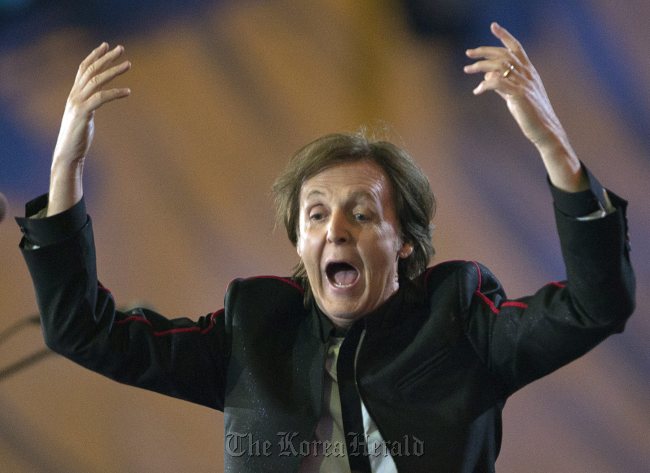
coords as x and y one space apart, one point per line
349 239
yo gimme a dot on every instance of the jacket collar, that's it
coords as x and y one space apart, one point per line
385 316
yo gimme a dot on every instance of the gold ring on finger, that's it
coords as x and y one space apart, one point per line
507 72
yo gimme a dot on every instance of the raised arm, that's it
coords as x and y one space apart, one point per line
507 70
88 93
80 320
524 339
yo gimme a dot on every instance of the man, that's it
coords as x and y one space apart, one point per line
364 360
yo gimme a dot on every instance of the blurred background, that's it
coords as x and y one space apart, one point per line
223 92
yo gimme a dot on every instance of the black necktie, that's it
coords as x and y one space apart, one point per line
351 403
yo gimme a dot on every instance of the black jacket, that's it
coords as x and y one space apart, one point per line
436 364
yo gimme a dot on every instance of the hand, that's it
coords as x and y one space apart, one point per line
77 126
86 96
508 71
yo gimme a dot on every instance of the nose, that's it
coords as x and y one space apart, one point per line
338 231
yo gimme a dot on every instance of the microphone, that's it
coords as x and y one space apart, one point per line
3 206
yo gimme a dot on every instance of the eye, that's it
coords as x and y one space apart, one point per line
316 214
360 217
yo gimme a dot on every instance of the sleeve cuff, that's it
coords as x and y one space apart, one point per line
584 203
42 231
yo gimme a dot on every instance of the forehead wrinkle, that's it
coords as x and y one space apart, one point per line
353 197
373 186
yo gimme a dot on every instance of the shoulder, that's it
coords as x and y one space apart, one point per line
269 282
470 271
265 296
464 279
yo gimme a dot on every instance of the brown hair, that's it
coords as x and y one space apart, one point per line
413 198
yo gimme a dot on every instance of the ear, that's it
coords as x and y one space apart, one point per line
405 251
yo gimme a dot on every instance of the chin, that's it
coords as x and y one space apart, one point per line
341 314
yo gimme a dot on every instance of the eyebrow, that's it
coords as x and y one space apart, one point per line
362 195
313 193
353 196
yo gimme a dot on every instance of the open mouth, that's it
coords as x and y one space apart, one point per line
341 274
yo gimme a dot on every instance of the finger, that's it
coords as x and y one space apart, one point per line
494 81
508 40
101 63
96 82
487 52
501 65
104 96
92 57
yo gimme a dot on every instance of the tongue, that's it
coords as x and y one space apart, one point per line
344 277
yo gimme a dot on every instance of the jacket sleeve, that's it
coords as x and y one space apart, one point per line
179 357
524 339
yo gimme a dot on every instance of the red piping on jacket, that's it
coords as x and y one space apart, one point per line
162 333
488 301
559 284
